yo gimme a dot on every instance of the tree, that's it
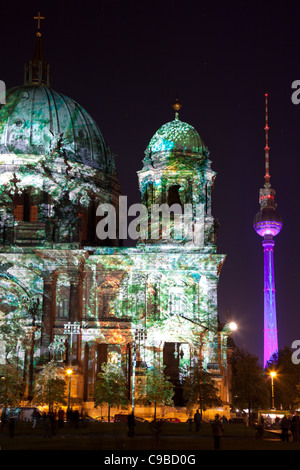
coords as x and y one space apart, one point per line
249 387
287 380
111 387
12 335
157 389
49 387
11 387
199 388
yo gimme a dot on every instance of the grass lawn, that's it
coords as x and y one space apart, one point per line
113 436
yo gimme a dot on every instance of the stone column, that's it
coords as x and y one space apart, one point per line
48 315
76 293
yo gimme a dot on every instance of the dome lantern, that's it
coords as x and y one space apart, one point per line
37 70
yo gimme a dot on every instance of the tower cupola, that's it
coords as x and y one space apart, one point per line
177 177
37 70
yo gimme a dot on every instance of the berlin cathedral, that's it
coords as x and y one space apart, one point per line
83 299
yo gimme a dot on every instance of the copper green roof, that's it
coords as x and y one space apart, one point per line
36 119
176 135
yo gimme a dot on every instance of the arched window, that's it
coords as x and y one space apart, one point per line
63 307
107 296
178 302
173 195
18 212
114 354
63 297
148 195
25 207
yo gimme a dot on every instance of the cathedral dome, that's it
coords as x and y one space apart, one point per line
35 119
176 136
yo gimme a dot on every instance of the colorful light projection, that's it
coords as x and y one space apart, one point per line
177 171
54 165
169 288
270 320
112 293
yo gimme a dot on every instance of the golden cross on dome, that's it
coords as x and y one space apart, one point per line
39 18
176 107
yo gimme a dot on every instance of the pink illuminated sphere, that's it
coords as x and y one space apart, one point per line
267 222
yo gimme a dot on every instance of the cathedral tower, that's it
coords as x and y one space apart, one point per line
177 177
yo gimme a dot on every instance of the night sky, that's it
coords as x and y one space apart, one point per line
125 62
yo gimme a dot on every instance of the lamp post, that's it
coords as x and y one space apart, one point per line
232 327
69 372
272 374
71 329
32 306
133 376
140 334
3 379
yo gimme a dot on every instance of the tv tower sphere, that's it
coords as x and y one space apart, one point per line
268 223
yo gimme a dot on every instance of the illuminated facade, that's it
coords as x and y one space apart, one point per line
86 301
268 223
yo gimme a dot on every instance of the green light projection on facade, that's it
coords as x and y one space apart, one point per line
55 169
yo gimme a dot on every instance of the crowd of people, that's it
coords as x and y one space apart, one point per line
216 426
48 420
9 417
290 425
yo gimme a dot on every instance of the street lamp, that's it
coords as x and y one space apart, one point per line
69 372
272 374
32 305
140 334
233 326
71 329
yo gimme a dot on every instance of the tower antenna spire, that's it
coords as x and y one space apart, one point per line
267 148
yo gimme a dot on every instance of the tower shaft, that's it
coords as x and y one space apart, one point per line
270 320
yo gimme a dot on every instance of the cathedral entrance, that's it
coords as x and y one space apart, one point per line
176 359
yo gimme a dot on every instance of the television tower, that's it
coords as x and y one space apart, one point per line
268 223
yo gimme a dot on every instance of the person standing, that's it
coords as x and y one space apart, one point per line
130 424
295 427
217 430
47 425
12 426
3 419
285 426
156 427
61 417
197 420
